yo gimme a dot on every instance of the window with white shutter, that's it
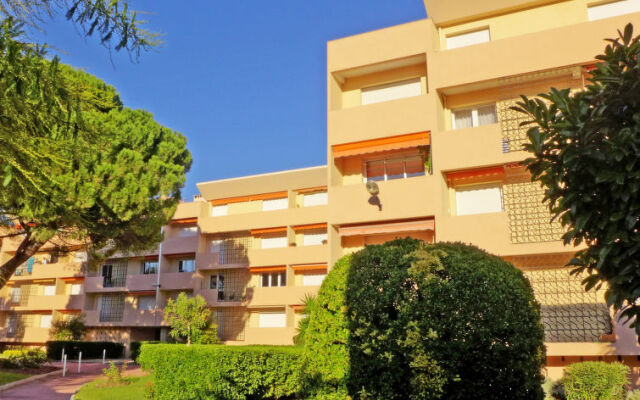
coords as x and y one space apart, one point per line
76 288
613 9
478 200
314 238
50 290
468 39
474 117
219 211
316 199
45 321
273 242
313 280
275 204
272 320
391 91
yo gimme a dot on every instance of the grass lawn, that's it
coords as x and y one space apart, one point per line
133 391
8 377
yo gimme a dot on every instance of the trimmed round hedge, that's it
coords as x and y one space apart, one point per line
425 321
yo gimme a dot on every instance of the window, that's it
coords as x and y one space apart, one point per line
478 200
391 91
187 265
188 231
272 320
111 307
613 9
15 295
313 280
273 242
315 199
275 204
314 238
216 282
146 302
149 267
274 279
76 288
468 39
474 117
398 167
45 321
219 211
50 290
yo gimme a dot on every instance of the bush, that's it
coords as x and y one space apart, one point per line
558 392
595 380
221 372
135 348
88 349
72 328
407 320
23 358
325 356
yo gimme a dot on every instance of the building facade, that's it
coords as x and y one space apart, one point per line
423 110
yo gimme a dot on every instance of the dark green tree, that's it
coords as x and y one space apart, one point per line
72 328
586 154
80 169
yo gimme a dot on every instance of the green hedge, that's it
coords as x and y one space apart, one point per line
595 380
135 348
88 349
22 358
196 372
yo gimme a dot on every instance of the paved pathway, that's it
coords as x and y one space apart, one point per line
57 387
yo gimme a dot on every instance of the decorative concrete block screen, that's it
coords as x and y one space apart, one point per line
231 322
529 218
233 250
569 313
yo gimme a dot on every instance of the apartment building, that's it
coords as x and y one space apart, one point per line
423 110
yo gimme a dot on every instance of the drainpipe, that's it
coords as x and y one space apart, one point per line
158 274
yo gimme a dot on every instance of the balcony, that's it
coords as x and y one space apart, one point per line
130 317
264 219
525 53
100 284
51 271
26 335
179 281
40 303
382 119
399 199
277 296
288 255
471 147
140 282
180 245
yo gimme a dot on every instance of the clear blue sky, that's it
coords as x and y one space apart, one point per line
243 80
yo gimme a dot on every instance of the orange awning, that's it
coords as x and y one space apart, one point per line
312 189
268 230
73 279
240 199
185 221
389 227
143 293
476 175
310 227
411 140
259 270
309 267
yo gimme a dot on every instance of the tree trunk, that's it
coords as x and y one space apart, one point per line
28 247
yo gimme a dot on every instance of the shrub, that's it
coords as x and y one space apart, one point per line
135 348
114 375
88 349
595 380
23 358
325 356
407 320
221 372
72 328
558 392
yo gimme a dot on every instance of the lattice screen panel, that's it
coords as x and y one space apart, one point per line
231 323
232 284
529 218
234 250
17 323
569 313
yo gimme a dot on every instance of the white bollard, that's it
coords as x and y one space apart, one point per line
104 355
62 356
79 361
64 365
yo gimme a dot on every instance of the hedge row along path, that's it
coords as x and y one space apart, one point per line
57 387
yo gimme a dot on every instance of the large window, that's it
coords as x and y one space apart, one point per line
146 302
275 204
15 295
150 267
219 211
394 167
187 265
314 238
613 9
474 117
315 199
111 307
45 321
114 274
188 231
468 39
391 91
272 320
50 290
478 200
273 242
76 288
274 279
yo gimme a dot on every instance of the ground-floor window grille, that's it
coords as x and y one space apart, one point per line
569 313
231 323
111 308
